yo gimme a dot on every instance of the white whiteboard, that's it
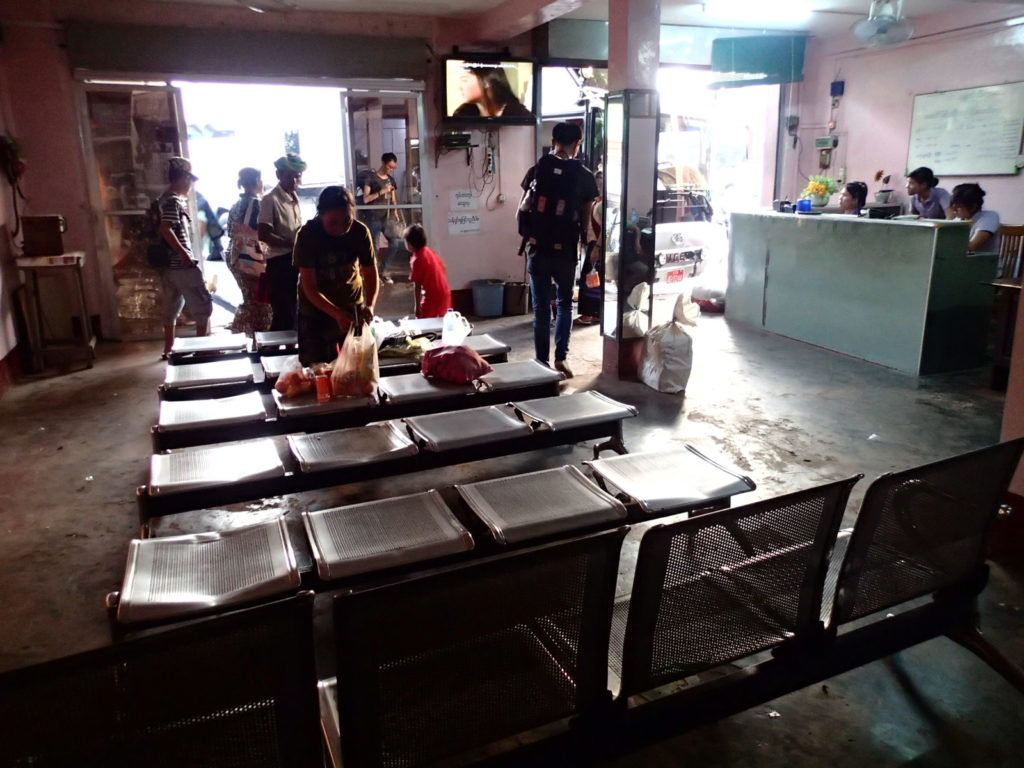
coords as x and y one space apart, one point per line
970 132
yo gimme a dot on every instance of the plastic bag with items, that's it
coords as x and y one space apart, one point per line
294 379
456 365
668 350
357 370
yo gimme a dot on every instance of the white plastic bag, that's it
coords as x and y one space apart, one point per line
633 318
356 371
668 350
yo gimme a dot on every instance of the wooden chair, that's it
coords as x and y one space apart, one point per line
1011 246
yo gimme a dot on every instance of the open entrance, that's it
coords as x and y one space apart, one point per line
341 133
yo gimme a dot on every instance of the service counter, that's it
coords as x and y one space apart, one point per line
903 294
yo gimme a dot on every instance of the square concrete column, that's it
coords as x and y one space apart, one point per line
634 35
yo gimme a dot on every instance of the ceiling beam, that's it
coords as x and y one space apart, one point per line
514 17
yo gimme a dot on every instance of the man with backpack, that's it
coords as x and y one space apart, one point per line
559 195
181 280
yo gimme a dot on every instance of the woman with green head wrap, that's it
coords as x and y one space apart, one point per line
280 220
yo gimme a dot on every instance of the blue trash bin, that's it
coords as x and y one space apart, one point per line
488 298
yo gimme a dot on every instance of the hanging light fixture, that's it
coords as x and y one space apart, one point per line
885 25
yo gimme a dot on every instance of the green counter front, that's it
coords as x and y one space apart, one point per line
904 294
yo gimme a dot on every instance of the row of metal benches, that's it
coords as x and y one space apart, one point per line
199 477
176 577
742 605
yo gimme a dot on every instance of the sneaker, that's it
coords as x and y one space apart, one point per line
561 365
386 279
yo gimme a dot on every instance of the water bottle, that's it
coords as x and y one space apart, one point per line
634 217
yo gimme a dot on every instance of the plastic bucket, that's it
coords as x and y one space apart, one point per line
516 298
488 298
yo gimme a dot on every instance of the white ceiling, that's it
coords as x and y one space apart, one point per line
830 17
416 7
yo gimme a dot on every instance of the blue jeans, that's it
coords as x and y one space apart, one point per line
543 268
376 230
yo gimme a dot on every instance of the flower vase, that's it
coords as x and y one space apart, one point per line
819 201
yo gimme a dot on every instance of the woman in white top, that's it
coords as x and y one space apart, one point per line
966 203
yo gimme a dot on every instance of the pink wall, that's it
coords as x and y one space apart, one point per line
956 49
8 274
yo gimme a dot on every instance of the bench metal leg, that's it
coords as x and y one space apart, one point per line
612 444
974 641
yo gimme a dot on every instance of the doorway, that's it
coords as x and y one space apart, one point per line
134 127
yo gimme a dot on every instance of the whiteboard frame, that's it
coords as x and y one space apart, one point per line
959 172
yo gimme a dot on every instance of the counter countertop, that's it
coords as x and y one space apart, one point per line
839 217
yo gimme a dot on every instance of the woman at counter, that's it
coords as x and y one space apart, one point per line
966 203
927 199
853 198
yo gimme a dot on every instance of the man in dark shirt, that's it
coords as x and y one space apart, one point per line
337 276
559 223
379 189
182 283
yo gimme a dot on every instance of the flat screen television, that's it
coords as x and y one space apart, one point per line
488 90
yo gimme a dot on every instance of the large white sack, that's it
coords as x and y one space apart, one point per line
668 350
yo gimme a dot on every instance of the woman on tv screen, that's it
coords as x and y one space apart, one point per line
486 92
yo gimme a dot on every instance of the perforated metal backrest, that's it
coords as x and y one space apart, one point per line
238 690
924 529
724 585
441 664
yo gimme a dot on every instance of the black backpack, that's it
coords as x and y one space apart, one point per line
549 213
158 252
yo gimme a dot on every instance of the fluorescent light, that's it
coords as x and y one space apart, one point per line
778 11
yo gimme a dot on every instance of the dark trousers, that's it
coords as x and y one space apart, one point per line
543 268
283 281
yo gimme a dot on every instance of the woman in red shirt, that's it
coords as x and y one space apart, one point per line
427 274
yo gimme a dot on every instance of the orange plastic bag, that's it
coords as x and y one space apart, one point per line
357 370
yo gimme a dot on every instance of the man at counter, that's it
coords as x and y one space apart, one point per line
966 203
927 199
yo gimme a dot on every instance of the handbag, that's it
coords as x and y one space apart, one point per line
394 228
245 241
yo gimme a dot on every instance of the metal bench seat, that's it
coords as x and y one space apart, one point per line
360 538
265 341
569 411
461 429
522 373
272 365
184 576
486 345
190 469
422 326
415 387
237 370
536 504
196 347
308 405
186 414
351 447
671 480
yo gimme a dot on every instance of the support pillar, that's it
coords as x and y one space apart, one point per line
631 161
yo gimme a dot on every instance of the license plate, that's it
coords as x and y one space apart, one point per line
675 276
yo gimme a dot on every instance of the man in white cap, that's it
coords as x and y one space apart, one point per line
279 222
182 280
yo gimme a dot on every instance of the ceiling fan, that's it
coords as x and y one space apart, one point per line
885 25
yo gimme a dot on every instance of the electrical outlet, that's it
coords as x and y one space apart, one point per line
490 160
501 198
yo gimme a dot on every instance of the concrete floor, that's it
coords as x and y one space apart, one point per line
75 447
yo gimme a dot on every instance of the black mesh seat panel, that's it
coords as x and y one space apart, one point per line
431 667
922 530
233 691
725 585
